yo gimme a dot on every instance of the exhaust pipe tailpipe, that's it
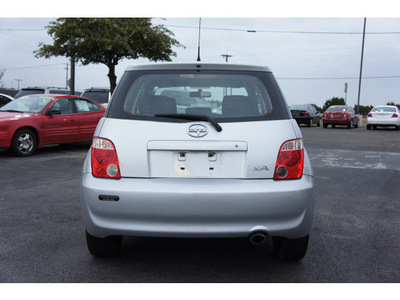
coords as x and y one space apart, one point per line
258 238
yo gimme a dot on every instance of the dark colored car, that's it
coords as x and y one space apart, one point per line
340 115
305 114
4 99
98 94
36 120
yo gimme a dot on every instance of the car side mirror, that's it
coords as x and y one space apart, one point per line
53 112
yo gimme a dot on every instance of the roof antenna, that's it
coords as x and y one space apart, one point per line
198 47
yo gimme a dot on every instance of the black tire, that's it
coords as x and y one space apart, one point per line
368 126
290 249
325 125
104 247
309 124
333 125
24 142
350 125
319 122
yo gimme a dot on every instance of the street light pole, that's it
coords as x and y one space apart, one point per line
361 65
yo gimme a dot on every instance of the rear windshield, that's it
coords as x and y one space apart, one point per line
383 109
225 96
299 107
99 96
22 93
338 108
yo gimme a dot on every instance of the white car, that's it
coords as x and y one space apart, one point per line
198 172
384 115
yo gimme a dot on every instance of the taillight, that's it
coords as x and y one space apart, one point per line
395 115
104 159
324 115
306 114
370 115
289 164
345 115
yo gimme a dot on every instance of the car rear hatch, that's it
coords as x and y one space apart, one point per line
166 150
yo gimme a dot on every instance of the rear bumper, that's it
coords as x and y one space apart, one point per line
336 121
383 122
197 207
302 120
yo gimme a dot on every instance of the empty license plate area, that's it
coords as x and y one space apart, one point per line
209 160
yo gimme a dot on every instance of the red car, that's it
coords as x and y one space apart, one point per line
36 120
340 115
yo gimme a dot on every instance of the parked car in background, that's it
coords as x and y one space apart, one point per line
36 120
98 94
306 114
4 99
340 115
241 171
385 116
44 90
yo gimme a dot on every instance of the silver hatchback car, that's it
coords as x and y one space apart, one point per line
198 150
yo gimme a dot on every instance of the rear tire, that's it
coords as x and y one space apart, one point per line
24 143
350 125
368 126
325 125
290 249
104 247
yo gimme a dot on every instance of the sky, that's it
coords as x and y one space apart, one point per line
312 55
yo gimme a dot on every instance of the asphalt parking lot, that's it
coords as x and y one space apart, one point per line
355 236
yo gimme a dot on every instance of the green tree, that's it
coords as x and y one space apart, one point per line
107 41
333 101
392 103
319 109
364 110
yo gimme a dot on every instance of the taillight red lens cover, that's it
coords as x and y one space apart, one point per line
395 115
370 115
306 114
105 162
290 161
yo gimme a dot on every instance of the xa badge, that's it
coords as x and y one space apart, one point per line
197 130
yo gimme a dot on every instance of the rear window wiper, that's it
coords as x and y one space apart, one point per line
192 118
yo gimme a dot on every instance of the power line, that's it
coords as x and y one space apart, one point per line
282 31
240 30
337 78
22 29
42 66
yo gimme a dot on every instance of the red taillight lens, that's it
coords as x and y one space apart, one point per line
104 159
345 115
395 115
324 115
290 162
370 115
306 114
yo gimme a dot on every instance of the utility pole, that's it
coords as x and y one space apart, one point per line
18 80
226 56
345 93
361 65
